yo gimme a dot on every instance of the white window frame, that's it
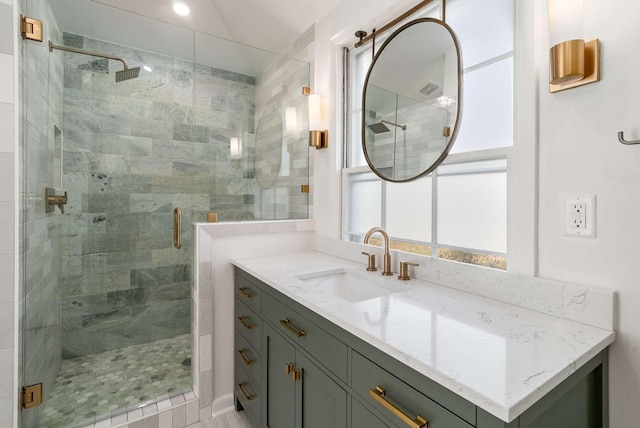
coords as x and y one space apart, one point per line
522 157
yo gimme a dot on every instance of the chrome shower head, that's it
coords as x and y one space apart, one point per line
127 74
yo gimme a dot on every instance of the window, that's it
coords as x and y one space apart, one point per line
459 211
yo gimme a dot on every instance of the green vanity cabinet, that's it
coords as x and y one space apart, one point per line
296 369
299 394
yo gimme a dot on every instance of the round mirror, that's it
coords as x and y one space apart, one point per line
268 152
412 101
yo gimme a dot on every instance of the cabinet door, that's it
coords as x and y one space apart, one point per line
361 417
280 386
320 402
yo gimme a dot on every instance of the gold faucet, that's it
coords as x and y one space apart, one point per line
387 257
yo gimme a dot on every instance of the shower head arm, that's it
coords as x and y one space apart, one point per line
404 127
83 52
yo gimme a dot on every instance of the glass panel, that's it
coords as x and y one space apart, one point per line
472 209
409 210
365 200
485 28
487 119
103 283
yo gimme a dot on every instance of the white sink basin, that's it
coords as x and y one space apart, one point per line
353 286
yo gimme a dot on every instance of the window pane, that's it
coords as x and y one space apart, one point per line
361 61
472 209
408 210
484 28
487 117
365 202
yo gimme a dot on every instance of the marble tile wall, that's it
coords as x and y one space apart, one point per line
7 212
281 171
133 151
420 120
41 98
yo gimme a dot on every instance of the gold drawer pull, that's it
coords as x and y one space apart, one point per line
378 395
246 292
287 324
249 397
245 324
246 360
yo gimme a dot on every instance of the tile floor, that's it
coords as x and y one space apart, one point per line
228 420
90 387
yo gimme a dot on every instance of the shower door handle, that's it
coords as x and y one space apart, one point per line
177 228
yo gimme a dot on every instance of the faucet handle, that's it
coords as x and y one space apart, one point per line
404 270
371 262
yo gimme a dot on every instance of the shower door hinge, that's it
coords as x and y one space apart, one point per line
30 29
31 396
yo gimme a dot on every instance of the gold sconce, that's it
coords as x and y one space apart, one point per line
572 61
318 137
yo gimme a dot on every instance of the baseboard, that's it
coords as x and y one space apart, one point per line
223 405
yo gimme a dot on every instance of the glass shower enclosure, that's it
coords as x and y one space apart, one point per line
107 319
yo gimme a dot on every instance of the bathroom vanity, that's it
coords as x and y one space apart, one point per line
320 343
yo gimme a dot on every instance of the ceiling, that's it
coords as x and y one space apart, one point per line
271 25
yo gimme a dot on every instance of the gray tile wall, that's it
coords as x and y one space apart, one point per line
41 93
280 172
133 151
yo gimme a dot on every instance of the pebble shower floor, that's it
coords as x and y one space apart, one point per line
93 387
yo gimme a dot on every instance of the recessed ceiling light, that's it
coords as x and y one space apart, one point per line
181 9
149 69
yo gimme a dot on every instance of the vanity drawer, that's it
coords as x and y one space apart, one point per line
248 323
324 347
248 394
398 397
247 291
247 357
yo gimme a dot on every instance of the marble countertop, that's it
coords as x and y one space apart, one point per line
501 357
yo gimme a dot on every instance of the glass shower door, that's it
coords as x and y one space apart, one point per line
107 314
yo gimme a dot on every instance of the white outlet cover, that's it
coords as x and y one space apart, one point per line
587 227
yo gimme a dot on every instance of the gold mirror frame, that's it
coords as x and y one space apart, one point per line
452 133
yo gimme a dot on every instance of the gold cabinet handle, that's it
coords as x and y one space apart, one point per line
249 397
288 369
246 292
177 228
245 324
378 395
243 355
296 375
287 324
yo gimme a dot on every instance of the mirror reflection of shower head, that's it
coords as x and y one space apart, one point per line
121 76
380 127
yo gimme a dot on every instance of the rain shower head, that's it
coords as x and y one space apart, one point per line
380 127
121 76
127 73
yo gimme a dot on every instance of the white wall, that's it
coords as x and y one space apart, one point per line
218 244
579 152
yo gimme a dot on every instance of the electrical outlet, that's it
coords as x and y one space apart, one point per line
580 215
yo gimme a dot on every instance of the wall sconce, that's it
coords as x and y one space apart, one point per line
235 148
318 137
572 62
291 120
